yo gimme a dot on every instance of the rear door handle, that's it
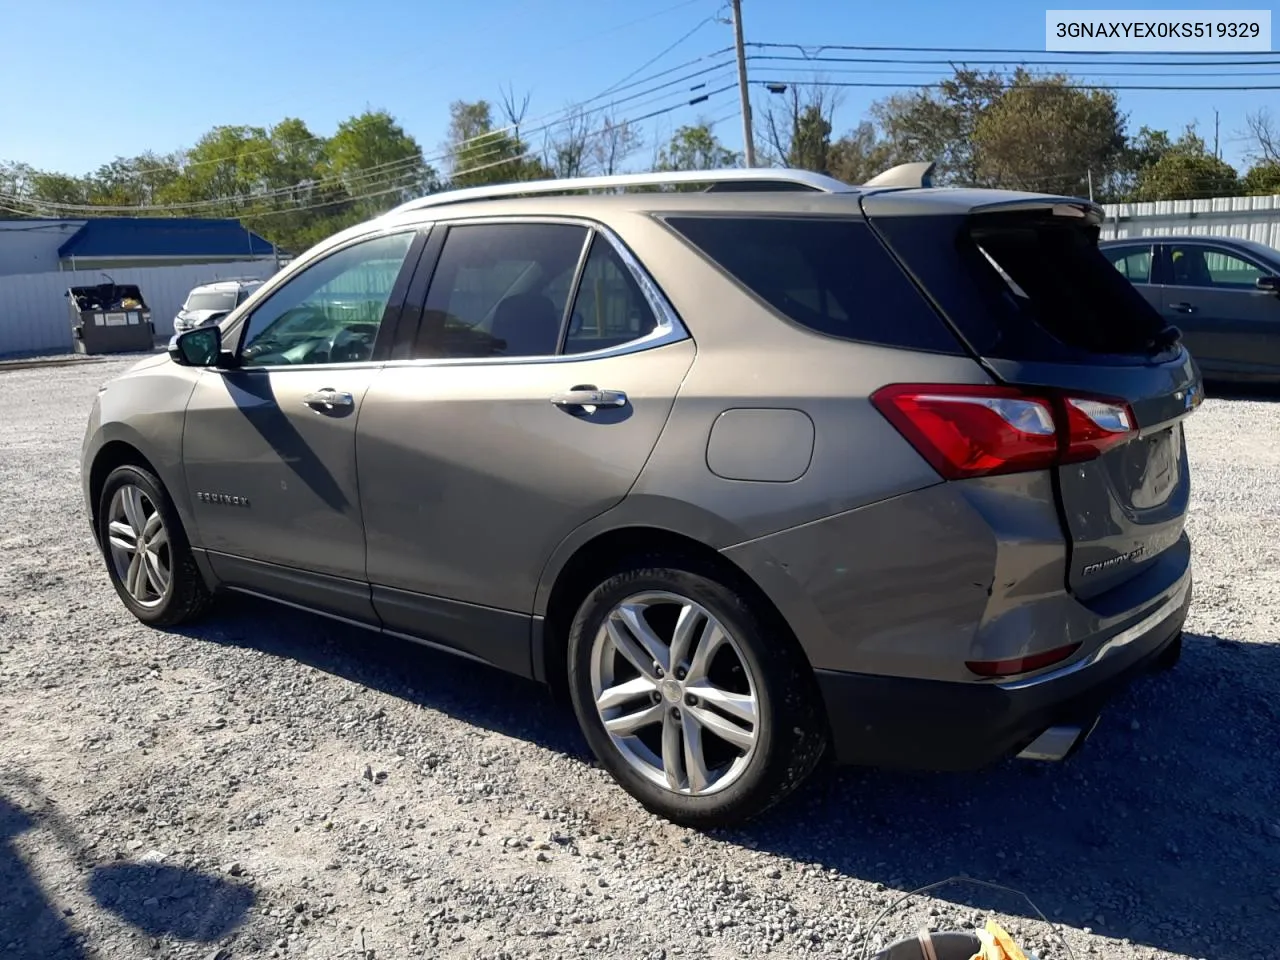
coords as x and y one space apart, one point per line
1183 307
329 399
590 396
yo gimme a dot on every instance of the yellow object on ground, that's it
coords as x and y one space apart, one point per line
997 945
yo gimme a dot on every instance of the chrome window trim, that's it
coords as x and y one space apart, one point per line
670 329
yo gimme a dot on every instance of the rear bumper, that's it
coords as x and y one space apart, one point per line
934 725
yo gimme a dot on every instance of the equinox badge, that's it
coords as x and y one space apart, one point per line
222 498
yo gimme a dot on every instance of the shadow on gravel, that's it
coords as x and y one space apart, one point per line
472 692
159 900
1164 829
171 901
1242 391
30 927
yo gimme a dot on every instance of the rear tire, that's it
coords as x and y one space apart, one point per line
689 697
146 550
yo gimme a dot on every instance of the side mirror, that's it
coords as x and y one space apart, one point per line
1269 284
197 348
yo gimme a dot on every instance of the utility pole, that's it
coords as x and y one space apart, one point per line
1216 152
1090 173
748 141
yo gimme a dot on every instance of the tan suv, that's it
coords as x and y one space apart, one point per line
755 473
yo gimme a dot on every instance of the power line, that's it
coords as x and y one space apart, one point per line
404 165
257 198
962 61
555 115
652 60
991 50
818 82
885 71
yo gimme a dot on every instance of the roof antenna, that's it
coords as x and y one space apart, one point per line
905 175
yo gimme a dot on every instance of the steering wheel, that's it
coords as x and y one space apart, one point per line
348 346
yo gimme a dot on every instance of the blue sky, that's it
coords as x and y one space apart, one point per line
157 74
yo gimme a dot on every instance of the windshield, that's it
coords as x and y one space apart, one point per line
210 300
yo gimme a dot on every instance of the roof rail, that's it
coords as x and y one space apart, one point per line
904 175
731 179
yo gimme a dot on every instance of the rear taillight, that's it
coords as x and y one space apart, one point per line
974 431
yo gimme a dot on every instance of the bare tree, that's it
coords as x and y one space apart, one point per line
613 143
798 133
1263 137
514 111
569 152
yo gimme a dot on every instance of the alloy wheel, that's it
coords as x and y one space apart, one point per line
675 693
139 545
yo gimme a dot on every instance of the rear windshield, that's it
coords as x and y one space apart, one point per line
1027 286
210 300
831 275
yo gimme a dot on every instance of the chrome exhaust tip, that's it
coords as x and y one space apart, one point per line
1056 743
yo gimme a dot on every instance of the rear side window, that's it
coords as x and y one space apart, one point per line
830 275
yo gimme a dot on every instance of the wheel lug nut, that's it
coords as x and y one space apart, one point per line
675 713
691 700
656 697
658 670
680 674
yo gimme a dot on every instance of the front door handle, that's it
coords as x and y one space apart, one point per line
329 399
590 396
1183 307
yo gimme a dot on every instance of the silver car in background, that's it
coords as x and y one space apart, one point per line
753 474
210 302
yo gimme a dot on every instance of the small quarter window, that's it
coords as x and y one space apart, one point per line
610 308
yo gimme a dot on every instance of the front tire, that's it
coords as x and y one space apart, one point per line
689 697
148 557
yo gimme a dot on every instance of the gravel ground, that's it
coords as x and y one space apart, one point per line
273 784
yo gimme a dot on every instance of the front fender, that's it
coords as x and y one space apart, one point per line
144 410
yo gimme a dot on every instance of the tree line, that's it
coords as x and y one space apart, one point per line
1026 131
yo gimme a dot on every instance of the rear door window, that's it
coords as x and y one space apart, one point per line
1134 263
830 275
500 290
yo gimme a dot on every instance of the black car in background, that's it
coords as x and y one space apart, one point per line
1221 292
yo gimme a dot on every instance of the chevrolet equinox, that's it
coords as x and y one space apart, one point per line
754 467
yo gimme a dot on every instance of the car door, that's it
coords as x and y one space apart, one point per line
1229 325
269 444
538 381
